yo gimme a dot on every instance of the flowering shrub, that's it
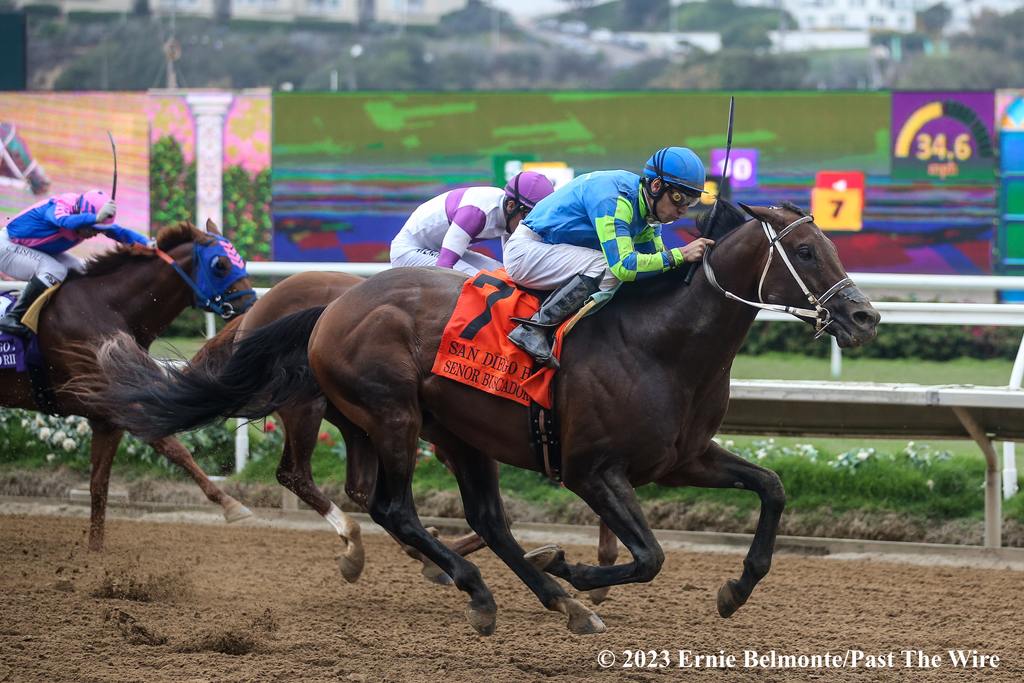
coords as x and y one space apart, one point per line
928 342
761 449
66 440
918 455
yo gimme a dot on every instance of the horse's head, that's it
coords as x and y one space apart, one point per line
218 278
17 162
802 271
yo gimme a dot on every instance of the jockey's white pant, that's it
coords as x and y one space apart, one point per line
405 254
533 263
23 263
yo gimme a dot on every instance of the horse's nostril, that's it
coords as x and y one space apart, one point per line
867 317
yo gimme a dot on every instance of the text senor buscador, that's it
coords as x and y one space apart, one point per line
773 659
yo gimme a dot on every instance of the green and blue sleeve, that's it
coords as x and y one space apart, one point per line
630 259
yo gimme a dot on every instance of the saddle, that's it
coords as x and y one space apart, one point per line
31 317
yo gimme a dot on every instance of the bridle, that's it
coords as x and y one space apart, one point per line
217 303
821 316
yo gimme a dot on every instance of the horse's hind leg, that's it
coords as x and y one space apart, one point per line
607 553
301 425
105 439
391 505
361 476
463 545
173 450
478 484
718 468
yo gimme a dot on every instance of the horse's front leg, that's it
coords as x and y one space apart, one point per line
173 450
718 468
612 497
105 439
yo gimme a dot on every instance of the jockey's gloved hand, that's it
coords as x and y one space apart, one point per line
107 212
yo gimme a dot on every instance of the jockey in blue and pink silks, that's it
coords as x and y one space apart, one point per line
33 246
440 231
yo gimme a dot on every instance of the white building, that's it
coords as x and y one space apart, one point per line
863 15
963 11
880 15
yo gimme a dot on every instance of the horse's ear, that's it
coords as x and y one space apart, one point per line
211 227
751 211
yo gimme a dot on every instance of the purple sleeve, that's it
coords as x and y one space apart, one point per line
471 219
466 223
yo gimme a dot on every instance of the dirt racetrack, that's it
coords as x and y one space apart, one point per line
179 602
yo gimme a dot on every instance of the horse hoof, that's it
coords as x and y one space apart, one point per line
730 598
581 620
598 595
544 556
236 512
434 574
483 621
351 561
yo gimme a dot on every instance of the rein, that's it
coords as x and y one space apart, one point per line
821 316
218 303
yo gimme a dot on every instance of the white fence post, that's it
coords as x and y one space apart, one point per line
241 444
837 358
1009 448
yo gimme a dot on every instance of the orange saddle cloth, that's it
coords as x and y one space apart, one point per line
475 349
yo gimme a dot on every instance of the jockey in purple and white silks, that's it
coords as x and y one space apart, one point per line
440 231
33 246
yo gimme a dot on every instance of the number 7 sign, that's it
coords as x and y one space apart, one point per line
837 200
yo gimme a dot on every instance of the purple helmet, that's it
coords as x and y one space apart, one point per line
528 188
92 201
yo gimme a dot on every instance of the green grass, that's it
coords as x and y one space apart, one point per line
176 347
792 366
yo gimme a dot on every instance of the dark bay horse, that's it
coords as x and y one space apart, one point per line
643 389
134 291
16 163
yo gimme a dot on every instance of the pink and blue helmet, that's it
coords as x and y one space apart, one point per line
92 201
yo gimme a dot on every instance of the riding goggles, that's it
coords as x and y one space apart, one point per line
682 198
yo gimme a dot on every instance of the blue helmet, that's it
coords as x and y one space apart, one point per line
679 166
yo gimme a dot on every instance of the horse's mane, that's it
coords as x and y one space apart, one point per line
109 261
714 224
790 206
724 217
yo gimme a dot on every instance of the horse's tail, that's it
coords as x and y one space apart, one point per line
217 348
254 377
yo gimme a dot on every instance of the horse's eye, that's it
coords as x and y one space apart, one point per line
805 253
219 264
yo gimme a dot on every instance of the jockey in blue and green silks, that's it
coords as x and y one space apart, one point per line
601 229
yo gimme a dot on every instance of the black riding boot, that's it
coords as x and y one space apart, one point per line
534 335
11 323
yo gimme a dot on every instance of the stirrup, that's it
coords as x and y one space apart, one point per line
15 328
